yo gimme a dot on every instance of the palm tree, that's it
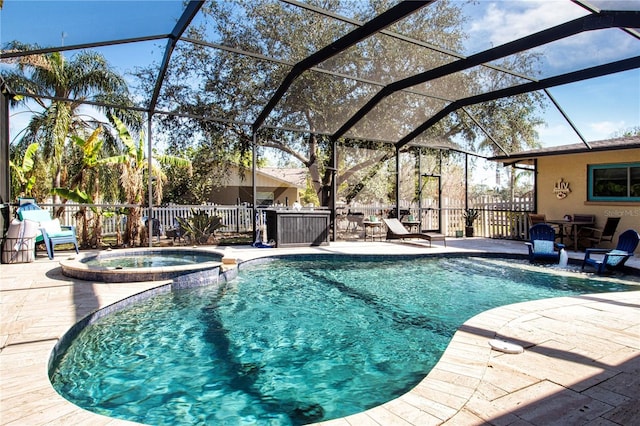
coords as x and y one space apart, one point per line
134 165
60 87
84 186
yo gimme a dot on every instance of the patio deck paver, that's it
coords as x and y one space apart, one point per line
581 363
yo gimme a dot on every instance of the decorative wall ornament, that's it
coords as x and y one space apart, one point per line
561 189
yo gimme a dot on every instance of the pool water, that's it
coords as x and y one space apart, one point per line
292 341
158 260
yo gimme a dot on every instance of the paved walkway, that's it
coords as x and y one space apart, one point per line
581 364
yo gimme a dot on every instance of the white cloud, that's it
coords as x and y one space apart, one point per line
557 134
560 133
605 129
590 48
496 23
507 21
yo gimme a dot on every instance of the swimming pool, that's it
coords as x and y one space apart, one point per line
291 341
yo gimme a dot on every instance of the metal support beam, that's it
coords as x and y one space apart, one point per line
577 26
566 117
535 184
466 181
334 188
591 8
572 77
420 185
378 23
262 57
440 215
81 46
149 182
485 131
403 38
397 183
187 16
6 95
254 175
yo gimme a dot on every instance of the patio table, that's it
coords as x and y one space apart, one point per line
573 225
368 224
410 224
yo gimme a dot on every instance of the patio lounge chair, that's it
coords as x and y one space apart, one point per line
397 231
542 245
51 233
613 259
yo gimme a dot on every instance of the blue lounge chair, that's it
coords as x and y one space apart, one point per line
613 259
51 233
542 245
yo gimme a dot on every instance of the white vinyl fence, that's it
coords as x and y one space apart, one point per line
236 219
498 219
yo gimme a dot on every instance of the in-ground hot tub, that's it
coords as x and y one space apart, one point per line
131 265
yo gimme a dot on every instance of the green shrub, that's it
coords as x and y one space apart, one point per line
200 226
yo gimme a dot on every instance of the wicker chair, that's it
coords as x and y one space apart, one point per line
594 236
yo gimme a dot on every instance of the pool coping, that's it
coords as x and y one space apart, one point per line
466 385
77 267
40 311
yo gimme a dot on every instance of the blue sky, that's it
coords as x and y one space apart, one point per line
598 107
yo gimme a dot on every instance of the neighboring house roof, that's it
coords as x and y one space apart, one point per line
266 176
295 177
631 142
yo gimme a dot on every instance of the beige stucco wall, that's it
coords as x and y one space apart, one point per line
573 170
238 187
230 195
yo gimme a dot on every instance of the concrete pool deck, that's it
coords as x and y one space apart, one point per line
581 364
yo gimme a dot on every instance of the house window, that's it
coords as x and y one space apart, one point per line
264 199
614 182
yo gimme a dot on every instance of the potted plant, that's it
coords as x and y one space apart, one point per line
470 215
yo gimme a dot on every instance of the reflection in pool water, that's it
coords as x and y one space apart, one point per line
291 341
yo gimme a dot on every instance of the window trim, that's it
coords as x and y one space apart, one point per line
590 172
